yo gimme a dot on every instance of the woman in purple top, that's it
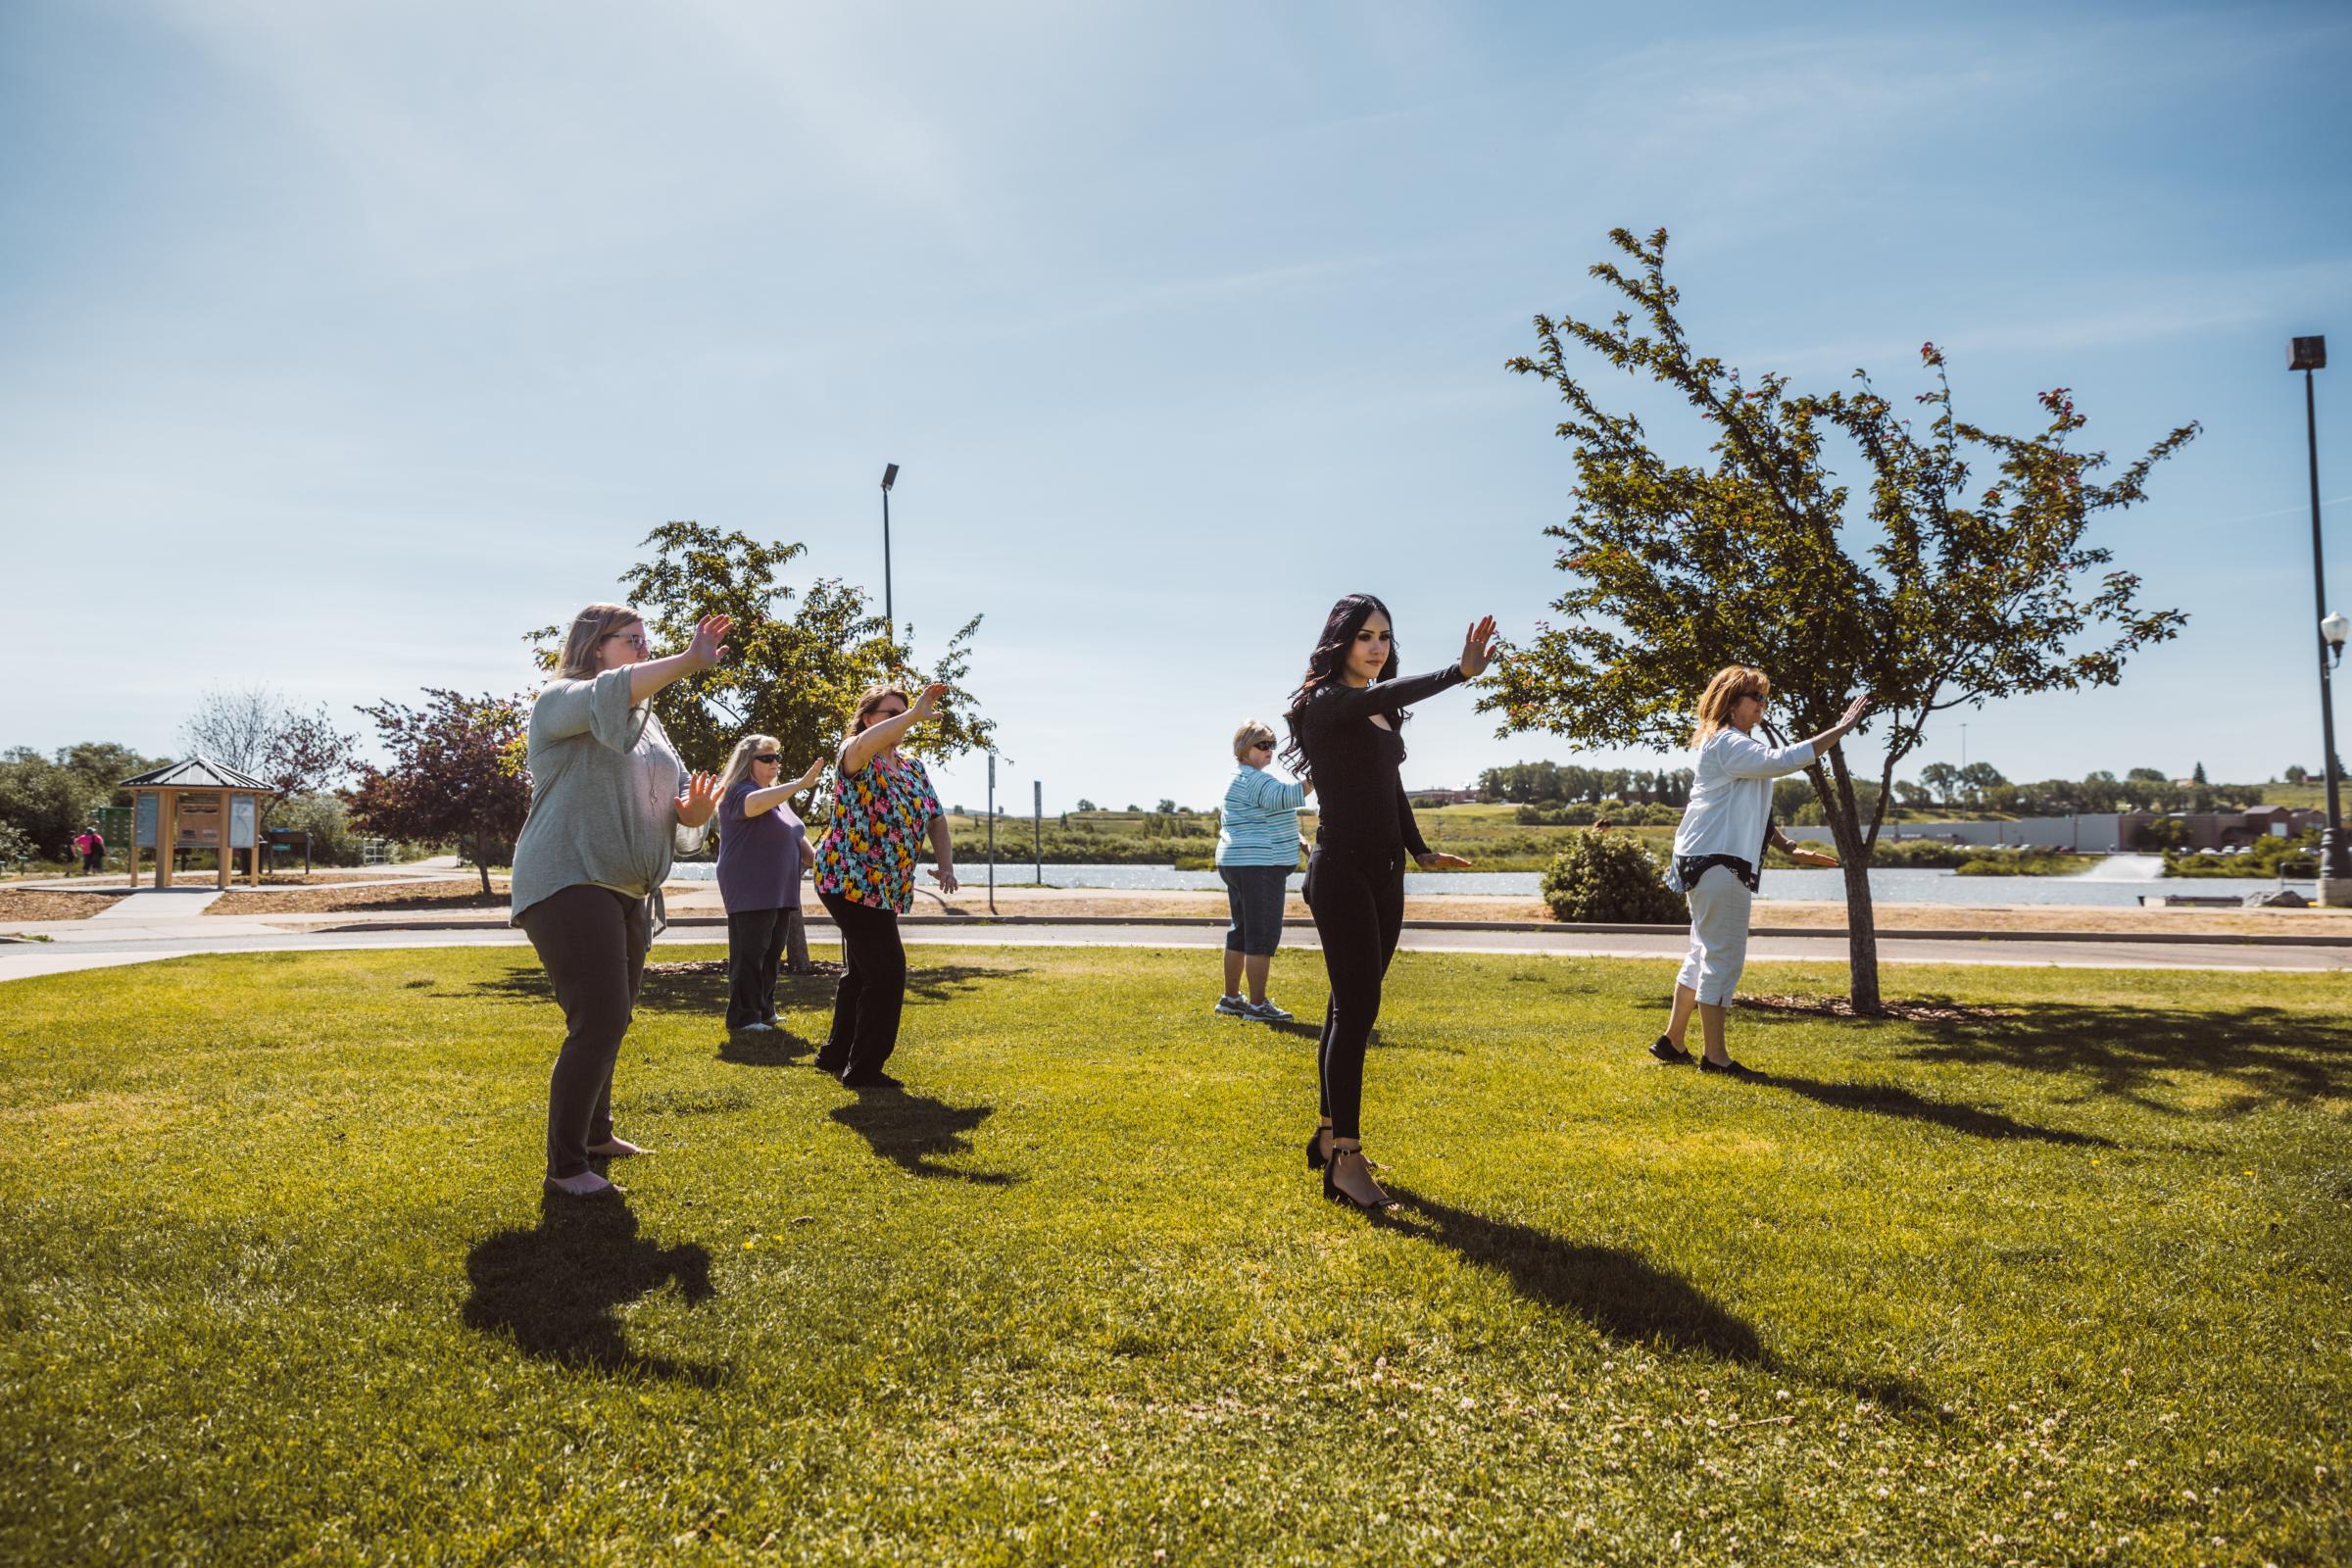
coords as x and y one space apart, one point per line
761 849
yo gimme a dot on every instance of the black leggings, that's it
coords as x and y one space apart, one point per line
755 948
873 991
592 941
1358 905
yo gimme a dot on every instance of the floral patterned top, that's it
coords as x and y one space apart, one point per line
880 813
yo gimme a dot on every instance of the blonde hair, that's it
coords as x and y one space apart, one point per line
1253 732
589 630
739 765
870 700
1731 683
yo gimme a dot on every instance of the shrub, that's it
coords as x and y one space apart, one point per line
332 839
1610 877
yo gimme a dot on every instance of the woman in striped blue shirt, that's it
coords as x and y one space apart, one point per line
1257 848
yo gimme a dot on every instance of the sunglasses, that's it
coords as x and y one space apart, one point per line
769 757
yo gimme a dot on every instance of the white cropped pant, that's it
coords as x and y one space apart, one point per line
1719 910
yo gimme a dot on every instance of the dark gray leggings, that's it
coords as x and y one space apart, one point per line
592 941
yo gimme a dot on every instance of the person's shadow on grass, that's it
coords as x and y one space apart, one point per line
1621 1293
914 1131
551 1292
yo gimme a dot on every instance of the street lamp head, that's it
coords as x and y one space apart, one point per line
2308 354
2334 628
890 471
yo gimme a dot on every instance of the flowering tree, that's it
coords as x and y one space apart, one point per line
456 777
1931 588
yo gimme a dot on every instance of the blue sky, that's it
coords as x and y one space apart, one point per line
341 344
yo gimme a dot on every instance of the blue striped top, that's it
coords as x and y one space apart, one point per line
1259 825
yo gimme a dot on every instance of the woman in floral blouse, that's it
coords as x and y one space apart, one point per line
883 804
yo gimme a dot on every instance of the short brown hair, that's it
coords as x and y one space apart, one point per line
869 700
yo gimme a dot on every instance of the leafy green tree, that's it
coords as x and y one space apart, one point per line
798 660
49 799
1930 587
2197 775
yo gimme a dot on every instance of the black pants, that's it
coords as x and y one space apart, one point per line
592 941
873 991
1358 905
755 948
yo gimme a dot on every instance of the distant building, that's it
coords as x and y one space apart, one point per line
1442 797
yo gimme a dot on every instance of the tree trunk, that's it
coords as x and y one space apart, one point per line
482 863
1861 920
796 942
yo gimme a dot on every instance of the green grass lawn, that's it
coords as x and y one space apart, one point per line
2066 1285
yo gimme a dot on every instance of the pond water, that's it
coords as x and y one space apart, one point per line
2117 880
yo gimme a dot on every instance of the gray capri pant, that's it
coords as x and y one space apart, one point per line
1719 910
1254 894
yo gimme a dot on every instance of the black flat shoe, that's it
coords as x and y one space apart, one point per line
870 1080
1729 1070
832 1065
1667 1052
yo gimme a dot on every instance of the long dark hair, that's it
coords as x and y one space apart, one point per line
1330 657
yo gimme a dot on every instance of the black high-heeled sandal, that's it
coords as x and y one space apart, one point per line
1316 1159
1331 1188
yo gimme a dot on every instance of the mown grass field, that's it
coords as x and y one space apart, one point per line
2064 1285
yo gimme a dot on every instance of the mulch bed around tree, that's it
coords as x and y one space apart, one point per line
423 896
818 967
56 903
1925 1011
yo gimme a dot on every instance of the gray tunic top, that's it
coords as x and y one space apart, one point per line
603 794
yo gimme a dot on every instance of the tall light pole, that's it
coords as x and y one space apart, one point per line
2310 354
890 476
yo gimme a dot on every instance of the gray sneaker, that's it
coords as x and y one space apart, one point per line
1234 1007
1267 1011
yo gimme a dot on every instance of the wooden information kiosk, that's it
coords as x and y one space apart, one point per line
195 805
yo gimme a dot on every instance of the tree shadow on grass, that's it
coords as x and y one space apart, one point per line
943 982
552 1291
2267 1055
1888 1099
914 1131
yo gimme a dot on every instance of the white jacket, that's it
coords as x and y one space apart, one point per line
1731 797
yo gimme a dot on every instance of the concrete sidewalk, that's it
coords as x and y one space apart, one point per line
90 947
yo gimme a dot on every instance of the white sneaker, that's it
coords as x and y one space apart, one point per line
1234 1007
616 1149
1267 1012
756 1029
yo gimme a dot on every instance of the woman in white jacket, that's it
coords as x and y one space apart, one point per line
1719 849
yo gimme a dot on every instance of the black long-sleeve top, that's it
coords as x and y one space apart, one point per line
1359 794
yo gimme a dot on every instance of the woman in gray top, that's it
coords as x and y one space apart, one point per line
607 814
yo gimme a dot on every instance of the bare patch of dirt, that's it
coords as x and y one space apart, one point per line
52 904
1922 1010
415 895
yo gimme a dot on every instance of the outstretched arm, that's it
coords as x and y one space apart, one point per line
1388 696
861 747
701 652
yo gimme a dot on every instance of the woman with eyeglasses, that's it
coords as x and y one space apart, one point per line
1345 719
883 806
611 804
1719 850
763 849
1257 846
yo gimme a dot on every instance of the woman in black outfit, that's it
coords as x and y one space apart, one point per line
1344 721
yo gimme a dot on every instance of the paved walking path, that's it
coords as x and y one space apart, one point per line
90 947
157 907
